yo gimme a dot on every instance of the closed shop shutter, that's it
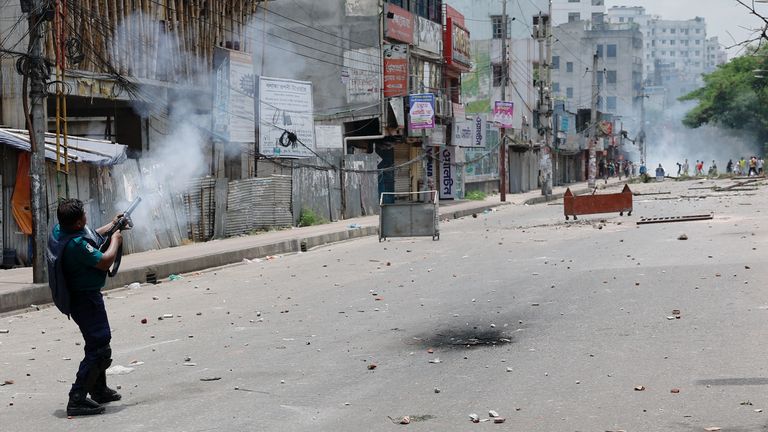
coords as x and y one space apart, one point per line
402 175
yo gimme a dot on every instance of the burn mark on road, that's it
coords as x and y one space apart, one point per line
463 338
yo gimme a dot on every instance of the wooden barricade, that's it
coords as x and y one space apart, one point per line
592 204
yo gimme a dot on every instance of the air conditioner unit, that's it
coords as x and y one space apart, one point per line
440 106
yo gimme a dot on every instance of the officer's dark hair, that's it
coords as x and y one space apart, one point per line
70 211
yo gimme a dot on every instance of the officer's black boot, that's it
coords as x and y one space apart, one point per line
103 394
80 405
99 390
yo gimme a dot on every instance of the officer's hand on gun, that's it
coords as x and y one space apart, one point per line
117 237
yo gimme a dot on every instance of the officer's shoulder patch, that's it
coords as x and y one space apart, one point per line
89 248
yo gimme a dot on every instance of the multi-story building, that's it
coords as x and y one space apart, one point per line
566 11
483 85
676 52
619 75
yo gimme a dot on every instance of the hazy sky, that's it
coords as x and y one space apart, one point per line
723 16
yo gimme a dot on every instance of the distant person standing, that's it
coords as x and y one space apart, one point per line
679 168
742 166
752 166
760 164
729 167
660 173
700 168
685 167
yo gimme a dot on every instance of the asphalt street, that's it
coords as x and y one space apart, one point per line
555 325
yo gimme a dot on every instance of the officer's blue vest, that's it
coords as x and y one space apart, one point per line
56 280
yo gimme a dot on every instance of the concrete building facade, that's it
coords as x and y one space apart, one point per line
676 52
619 76
568 11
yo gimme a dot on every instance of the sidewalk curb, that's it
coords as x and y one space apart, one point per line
39 294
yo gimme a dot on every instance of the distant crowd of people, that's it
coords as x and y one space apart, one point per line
751 167
606 169
742 167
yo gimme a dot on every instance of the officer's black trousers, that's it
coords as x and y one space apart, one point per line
88 312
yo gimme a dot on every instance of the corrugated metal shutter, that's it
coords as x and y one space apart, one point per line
258 203
402 175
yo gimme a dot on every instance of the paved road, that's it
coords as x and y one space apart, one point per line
551 324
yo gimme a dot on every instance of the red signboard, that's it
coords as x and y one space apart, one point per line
395 70
456 45
399 24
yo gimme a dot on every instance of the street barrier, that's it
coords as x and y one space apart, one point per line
409 219
592 204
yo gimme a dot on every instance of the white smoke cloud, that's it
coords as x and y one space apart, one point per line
669 142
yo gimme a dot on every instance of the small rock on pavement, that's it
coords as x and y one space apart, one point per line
4 331
436 360
682 237
405 420
639 388
499 420
143 320
437 390
712 429
675 390
758 410
372 366
493 413
8 382
475 418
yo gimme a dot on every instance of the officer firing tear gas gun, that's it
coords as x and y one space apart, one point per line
79 260
121 223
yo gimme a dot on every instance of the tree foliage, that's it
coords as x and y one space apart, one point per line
734 96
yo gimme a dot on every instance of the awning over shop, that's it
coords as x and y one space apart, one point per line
81 150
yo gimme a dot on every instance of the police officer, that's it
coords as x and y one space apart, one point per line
75 247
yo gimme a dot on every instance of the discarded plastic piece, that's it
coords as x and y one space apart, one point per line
355 226
712 429
134 285
174 277
435 360
119 370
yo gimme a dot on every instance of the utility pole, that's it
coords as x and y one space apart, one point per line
545 110
593 127
37 128
503 131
